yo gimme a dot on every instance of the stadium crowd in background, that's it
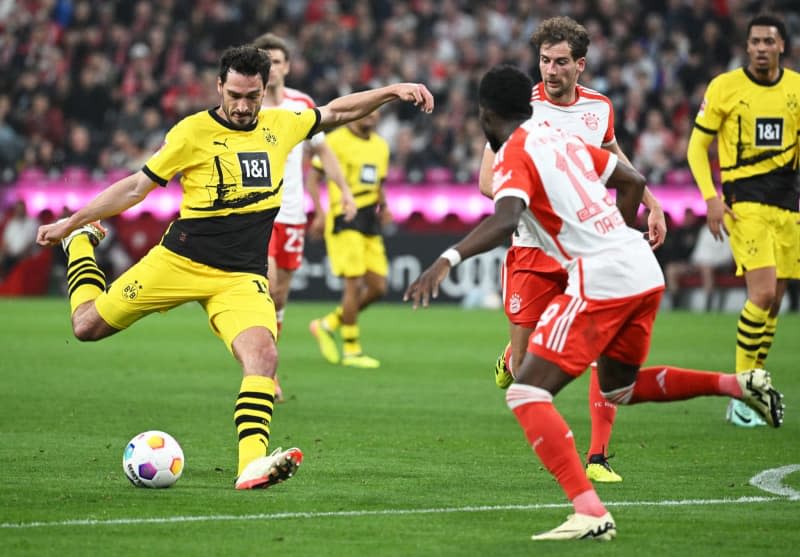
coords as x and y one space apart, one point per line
97 84
114 76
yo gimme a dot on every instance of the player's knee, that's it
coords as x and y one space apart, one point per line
262 359
84 330
763 297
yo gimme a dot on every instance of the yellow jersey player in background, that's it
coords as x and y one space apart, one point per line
755 114
355 248
230 160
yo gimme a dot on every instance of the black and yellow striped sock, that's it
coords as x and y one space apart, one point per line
351 342
749 333
85 280
252 415
766 339
333 320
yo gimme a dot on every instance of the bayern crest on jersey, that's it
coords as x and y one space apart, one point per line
591 120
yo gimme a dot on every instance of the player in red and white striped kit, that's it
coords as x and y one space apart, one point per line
530 278
555 185
288 235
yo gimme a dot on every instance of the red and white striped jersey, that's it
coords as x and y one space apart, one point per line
590 116
571 215
293 202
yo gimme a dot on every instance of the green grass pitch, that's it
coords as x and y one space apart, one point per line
420 457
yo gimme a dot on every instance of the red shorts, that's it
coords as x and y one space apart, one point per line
286 245
573 332
531 279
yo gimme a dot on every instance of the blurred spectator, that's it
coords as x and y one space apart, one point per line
138 65
79 150
654 146
89 100
19 238
122 153
12 144
407 155
694 251
44 119
41 153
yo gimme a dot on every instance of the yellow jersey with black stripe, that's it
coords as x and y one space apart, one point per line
757 125
232 183
365 163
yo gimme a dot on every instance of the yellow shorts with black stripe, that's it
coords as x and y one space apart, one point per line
353 254
162 280
763 236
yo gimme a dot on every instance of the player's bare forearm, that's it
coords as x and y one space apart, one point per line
656 220
116 198
490 233
331 167
357 105
630 188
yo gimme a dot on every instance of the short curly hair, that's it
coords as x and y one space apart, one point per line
246 60
562 28
507 91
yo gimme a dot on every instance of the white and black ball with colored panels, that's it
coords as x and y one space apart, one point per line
153 459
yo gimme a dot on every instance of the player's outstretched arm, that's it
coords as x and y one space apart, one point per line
113 200
333 170
357 105
490 233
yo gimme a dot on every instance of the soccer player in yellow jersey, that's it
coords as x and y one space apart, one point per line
755 114
231 161
355 248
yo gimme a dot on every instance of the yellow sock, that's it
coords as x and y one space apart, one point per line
85 280
749 332
333 320
766 339
252 416
350 340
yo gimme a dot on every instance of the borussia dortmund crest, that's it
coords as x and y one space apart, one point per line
131 291
270 137
791 102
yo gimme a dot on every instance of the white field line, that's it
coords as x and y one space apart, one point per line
384 512
771 481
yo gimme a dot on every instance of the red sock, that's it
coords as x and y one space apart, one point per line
603 413
665 383
551 438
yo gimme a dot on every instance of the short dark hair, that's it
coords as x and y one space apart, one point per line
768 20
562 28
507 91
246 60
271 41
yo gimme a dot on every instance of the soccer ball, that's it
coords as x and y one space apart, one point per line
153 459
